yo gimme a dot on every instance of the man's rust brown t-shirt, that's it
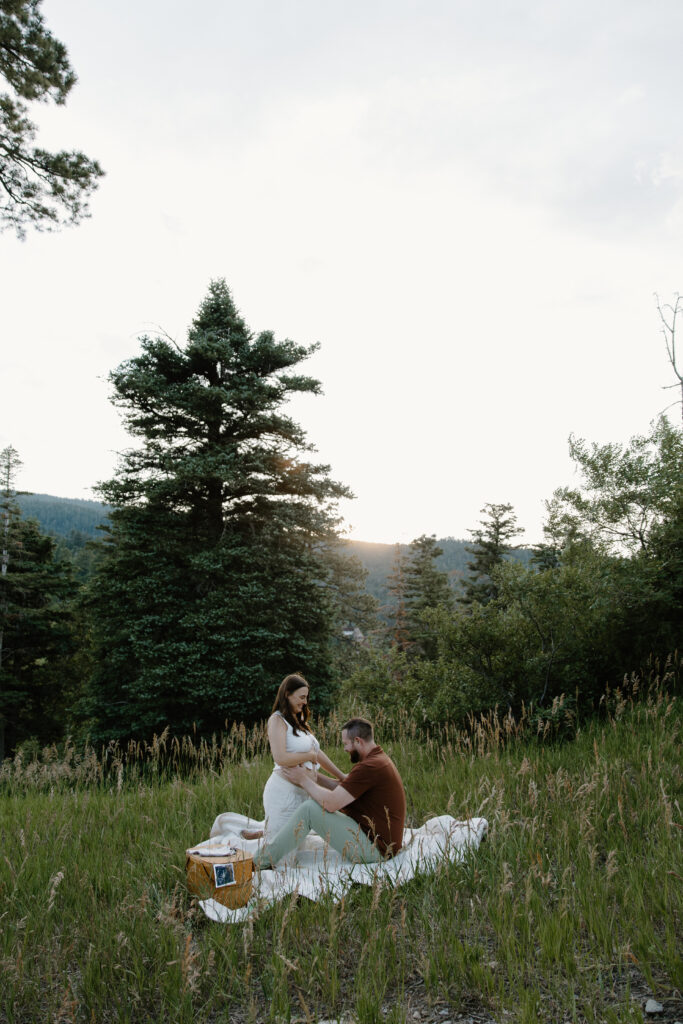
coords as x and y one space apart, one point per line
379 800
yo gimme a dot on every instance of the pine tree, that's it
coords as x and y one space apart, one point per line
36 624
37 188
426 587
10 464
352 607
218 575
398 629
491 545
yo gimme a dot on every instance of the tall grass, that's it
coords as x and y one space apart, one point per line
572 910
167 757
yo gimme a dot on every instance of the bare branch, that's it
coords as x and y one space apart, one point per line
669 333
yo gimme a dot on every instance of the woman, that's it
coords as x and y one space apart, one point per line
291 743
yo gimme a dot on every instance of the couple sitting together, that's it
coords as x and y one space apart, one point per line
361 814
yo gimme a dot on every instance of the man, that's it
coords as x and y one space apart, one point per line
361 817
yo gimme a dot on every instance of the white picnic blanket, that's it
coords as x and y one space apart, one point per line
315 870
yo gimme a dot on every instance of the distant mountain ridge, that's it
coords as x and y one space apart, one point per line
62 516
379 560
77 519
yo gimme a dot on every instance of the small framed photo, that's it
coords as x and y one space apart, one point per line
223 874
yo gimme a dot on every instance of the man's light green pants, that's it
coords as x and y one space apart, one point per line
341 832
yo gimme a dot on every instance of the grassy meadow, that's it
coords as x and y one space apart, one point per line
572 910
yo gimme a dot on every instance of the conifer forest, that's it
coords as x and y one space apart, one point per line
215 563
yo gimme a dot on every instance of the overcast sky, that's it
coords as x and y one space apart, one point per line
469 204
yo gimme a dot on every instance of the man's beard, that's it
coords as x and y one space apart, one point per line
354 756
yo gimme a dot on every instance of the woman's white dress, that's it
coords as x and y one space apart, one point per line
281 798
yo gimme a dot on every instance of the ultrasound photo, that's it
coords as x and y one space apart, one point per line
224 874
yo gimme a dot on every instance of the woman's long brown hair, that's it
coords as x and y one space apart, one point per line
289 684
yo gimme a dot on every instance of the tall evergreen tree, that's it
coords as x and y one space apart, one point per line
10 463
36 625
491 545
398 628
222 568
426 586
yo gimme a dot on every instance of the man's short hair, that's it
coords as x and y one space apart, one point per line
358 727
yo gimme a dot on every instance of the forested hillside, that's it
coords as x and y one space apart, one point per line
75 520
379 560
63 516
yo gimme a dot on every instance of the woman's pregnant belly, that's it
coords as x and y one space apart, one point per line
280 800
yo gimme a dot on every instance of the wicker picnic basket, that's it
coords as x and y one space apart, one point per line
234 883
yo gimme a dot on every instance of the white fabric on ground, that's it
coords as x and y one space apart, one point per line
315 871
